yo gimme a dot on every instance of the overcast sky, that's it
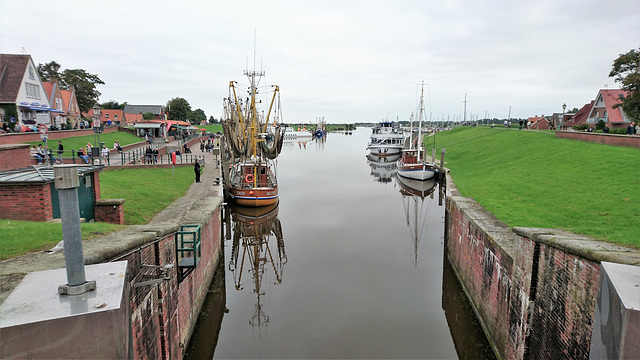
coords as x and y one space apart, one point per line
347 60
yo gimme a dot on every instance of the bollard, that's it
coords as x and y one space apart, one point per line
67 182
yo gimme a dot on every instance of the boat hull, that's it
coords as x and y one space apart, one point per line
382 150
424 171
254 197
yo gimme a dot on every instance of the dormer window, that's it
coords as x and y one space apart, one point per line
31 73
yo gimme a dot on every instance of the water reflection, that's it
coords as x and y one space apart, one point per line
416 211
258 246
383 168
466 333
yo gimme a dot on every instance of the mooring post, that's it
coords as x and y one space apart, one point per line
442 152
67 182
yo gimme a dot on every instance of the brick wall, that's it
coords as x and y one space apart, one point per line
563 312
601 138
494 276
163 315
533 290
26 202
15 156
109 211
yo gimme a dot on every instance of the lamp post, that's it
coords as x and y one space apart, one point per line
564 107
96 129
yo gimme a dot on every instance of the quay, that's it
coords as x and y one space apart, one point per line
163 268
543 293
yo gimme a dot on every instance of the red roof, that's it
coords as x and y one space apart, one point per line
111 114
610 98
581 116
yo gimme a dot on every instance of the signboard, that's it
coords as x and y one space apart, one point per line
96 123
43 129
98 129
44 119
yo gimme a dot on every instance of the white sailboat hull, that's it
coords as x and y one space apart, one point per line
424 171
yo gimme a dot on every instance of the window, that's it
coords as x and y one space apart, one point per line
33 91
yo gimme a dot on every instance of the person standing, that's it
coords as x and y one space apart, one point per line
60 151
105 154
196 169
631 129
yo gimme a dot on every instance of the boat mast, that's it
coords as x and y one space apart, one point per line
419 145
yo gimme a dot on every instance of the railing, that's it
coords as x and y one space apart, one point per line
188 250
140 156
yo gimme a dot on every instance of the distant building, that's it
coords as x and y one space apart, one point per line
133 113
539 123
579 117
22 89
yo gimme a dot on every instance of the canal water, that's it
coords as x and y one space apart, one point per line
350 264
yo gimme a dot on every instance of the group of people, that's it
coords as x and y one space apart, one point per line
151 155
208 144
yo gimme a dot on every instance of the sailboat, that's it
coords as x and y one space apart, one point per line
412 164
251 145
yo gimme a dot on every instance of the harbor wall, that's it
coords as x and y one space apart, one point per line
533 290
601 138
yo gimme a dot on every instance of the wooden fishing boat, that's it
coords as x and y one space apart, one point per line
413 164
251 145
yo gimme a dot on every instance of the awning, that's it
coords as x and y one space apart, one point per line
147 126
56 111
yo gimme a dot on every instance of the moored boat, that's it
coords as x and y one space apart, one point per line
251 146
386 139
413 164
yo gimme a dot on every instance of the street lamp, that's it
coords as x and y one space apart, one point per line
564 107
96 131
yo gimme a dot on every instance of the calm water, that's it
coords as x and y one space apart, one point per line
347 266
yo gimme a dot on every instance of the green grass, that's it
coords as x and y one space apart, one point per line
213 128
147 191
20 237
532 179
77 142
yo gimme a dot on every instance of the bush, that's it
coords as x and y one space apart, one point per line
622 131
581 127
601 124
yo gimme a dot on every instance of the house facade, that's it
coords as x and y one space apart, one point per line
70 106
133 113
602 109
23 100
54 95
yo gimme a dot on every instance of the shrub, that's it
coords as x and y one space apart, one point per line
581 127
601 124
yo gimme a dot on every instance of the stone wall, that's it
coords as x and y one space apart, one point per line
533 290
601 138
109 211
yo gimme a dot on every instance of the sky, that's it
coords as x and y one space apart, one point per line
346 61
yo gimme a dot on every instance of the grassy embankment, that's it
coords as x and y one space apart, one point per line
147 192
75 143
532 179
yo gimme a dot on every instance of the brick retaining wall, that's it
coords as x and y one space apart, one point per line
533 290
601 138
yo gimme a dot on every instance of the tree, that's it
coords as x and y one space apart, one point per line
148 115
626 70
83 82
111 104
49 71
179 109
212 120
197 116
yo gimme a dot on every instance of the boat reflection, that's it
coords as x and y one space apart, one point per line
257 246
416 211
383 168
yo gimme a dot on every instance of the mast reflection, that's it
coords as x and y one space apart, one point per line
416 212
257 246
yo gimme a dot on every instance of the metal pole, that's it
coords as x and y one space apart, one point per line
67 182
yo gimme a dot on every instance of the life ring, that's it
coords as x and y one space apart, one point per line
248 178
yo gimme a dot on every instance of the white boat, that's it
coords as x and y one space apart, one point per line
412 164
386 139
290 134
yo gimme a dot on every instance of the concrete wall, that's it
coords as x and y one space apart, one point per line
533 290
601 138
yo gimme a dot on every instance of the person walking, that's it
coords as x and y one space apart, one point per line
196 169
60 151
